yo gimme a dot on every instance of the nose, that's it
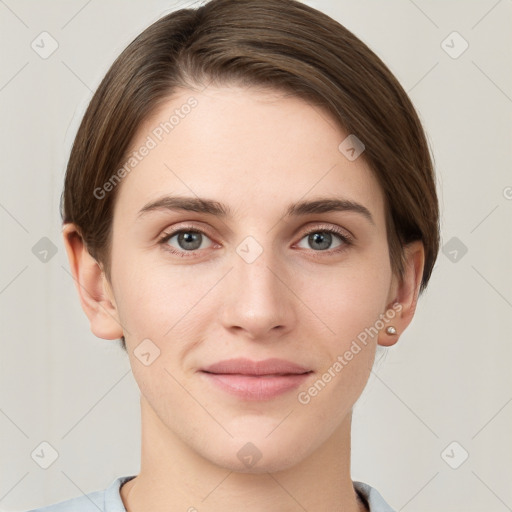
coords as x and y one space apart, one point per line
260 303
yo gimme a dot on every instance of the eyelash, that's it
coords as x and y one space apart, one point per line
347 240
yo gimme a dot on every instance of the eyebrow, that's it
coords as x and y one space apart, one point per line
211 207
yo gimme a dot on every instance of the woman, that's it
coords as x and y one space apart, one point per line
250 206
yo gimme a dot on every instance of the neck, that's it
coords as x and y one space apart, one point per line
174 477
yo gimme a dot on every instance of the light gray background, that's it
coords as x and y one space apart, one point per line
448 379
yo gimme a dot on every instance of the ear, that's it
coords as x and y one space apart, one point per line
95 293
404 294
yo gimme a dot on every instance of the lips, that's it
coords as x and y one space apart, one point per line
256 380
247 367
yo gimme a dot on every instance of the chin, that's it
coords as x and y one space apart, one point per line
258 454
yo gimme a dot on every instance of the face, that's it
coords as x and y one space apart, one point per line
286 295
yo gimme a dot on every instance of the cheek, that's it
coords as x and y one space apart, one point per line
350 308
156 298
349 299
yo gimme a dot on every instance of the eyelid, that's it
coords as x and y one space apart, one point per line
166 235
344 233
346 236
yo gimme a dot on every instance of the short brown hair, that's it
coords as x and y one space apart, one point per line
283 45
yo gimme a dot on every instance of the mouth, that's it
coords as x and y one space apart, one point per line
256 380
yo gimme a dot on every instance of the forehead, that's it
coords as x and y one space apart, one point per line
252 150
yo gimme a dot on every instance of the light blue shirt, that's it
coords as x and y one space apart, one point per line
109 500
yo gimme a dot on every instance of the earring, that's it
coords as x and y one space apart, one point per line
391 330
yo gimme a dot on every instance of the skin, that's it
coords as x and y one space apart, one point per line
255 151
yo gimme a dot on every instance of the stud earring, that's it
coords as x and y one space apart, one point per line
391 330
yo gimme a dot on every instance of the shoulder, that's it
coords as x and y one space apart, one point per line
91 502
107 500
372 497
